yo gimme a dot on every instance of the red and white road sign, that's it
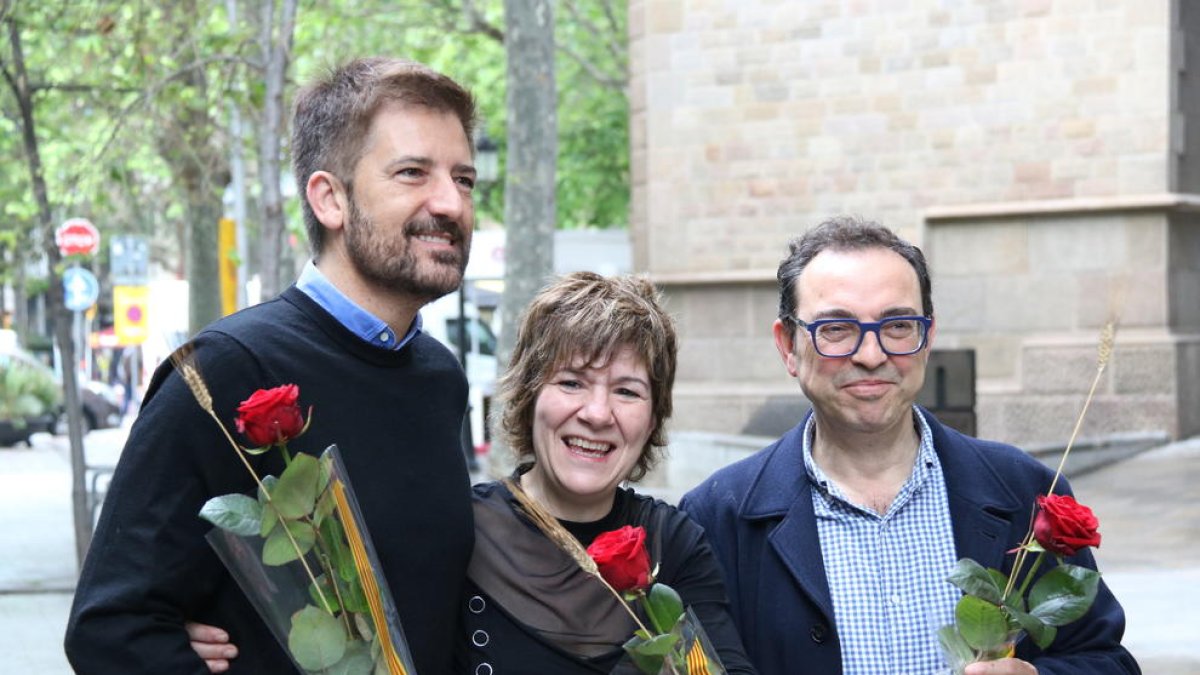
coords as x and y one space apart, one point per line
76 236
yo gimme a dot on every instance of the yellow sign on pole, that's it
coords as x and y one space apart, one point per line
129 314
227 255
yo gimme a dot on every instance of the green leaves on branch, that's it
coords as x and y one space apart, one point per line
296 515
239 514
316 640
648 653
986 619
982 624
296 494
1064 594
973 579
664 607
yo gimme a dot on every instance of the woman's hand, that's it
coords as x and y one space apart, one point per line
211 644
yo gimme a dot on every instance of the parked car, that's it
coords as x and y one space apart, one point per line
101 403
442 320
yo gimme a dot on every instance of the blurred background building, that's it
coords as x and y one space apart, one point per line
1044 154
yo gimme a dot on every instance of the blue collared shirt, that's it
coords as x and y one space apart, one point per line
357 320
887 573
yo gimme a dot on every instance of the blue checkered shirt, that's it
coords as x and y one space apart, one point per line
887 573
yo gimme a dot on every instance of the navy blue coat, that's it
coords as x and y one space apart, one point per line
758 515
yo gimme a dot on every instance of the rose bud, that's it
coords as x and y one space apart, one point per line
1063 526
271 416
622 558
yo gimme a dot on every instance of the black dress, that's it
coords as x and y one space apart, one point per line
529 610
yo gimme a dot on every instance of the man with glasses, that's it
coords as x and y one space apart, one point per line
837 539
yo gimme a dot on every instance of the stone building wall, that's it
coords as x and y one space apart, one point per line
1043 152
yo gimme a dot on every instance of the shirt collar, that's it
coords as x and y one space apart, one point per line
365 325
925 460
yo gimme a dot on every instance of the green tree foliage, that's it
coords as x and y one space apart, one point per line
132 100
464 39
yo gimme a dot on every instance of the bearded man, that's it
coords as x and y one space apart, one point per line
383 158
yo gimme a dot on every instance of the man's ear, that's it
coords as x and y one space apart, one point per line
784 343
328 200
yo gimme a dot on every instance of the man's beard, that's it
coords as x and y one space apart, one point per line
387 260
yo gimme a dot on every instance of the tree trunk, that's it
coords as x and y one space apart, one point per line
204 273
531 108
276 44
18 80
20 301
192 144
532 150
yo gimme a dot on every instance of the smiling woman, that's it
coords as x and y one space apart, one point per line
587 395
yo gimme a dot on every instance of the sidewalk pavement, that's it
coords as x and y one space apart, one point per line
1148 508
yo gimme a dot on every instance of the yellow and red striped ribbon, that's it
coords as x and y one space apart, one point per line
367 576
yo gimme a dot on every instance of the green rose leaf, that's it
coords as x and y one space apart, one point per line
982 624
648 655
973 579
278 548
296 493
1064 594
269 482
325 506
954 645
664 607
316 639
270 517
1041 632
357 661
339 550
322 588
239 514
353 595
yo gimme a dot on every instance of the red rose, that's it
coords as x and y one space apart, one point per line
271 416
1063 526
622 558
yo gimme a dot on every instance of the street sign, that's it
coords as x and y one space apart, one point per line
80 289
129 314
129 260
76 236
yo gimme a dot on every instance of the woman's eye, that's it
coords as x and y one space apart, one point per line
466 182
569 384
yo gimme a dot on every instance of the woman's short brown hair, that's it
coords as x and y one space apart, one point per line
589 317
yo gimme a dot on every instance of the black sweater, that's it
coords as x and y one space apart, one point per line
395 415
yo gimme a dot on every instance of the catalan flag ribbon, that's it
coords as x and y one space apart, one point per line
697 660
367 574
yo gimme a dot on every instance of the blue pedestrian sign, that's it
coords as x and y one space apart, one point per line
80 289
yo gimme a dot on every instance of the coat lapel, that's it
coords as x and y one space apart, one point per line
782 492
982 508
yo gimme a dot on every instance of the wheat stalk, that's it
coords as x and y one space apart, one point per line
558 534
1104 354
184 360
